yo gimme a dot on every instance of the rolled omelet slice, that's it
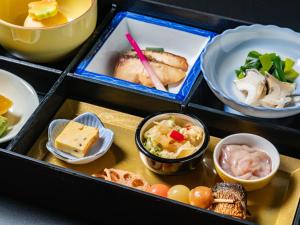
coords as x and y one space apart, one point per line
5 105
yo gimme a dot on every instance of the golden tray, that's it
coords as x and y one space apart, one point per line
275 204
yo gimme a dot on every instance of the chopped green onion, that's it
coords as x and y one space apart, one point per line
292 75
278 72
288 65
241 75
266 62
155 49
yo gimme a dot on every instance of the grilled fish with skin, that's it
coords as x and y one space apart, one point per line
234 192
164 57
169 68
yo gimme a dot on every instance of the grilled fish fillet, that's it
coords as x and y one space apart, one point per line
131 69
229 191
164 57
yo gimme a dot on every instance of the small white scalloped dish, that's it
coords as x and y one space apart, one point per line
97 150
228 51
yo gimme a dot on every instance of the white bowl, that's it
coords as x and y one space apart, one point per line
25 101
252 141
98 149
228 51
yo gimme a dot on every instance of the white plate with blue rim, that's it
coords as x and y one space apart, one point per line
228 51
97 150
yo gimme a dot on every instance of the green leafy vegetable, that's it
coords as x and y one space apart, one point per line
241 74
269 63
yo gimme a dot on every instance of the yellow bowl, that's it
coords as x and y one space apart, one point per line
46 44
252 141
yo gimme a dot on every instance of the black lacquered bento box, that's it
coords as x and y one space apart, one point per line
31 173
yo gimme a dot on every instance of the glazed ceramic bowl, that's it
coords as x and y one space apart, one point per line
25 101
228 51
170 166
252 141
46 44
102 145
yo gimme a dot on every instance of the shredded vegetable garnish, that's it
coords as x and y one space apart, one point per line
166 139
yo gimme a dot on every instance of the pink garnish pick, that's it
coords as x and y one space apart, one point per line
154 78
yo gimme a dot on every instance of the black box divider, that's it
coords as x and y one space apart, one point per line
68 183
56 66
152 8
79 195
91 92
118 97
179 14
116 94
104 6
219 125
251 10
94 200
43 113
222 124
40 77
175 12
91 41
205 97
194 90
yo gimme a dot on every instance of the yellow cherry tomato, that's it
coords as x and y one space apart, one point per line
179 193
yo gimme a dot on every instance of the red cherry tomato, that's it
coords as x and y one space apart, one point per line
159 189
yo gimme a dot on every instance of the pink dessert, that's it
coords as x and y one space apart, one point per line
245 162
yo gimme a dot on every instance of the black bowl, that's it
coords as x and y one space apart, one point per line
166 166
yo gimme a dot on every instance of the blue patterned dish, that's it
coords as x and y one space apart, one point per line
228 52
98 149
182 40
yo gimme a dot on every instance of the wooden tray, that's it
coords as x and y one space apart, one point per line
275 204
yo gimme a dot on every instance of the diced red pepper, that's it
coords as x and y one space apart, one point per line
177 136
